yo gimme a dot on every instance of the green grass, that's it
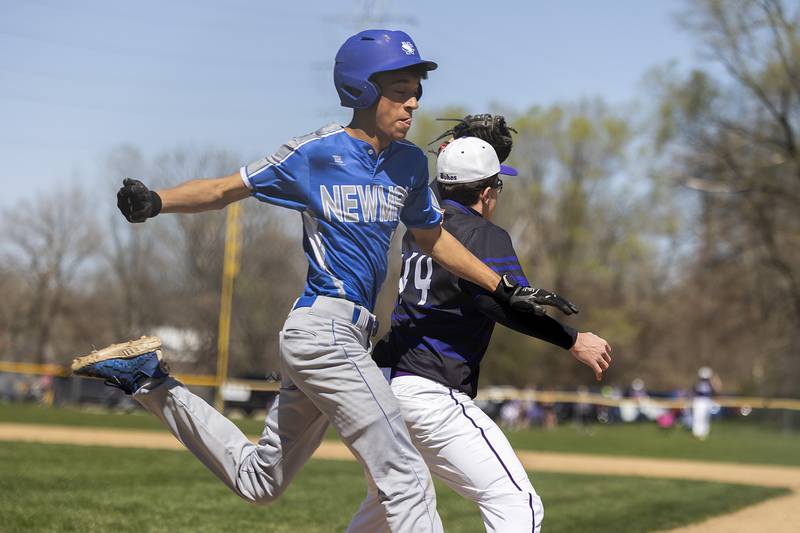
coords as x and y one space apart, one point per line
740 442
71 488
736 442
96 417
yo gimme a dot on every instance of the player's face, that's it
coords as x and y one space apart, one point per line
397 102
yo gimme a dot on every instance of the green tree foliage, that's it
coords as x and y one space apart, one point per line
679 241
580 222
730 132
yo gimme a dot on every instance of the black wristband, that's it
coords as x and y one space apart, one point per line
156 199
505 289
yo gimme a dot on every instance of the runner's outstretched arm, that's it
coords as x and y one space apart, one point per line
203 194
138 203
451 254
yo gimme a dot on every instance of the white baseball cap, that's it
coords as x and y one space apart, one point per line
469 159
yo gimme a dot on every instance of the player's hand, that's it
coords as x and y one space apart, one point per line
594 352
531 299
136 202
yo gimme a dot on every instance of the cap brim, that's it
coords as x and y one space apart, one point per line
430 65
411 61
508 171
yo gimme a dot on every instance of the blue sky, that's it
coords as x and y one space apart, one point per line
80 77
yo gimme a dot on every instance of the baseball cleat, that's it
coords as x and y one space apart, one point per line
124 366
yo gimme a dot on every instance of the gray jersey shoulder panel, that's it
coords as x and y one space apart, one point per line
291 146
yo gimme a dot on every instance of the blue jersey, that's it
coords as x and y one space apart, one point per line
351 201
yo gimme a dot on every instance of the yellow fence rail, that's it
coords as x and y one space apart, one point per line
489 394
597 399
195 380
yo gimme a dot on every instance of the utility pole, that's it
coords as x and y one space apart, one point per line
230 270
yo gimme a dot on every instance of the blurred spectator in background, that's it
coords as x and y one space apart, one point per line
666 419
672 415
6 387
531 412
637 389
510 414
632 411
702 403
549 416
609 414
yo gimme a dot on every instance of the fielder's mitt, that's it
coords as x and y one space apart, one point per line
491 128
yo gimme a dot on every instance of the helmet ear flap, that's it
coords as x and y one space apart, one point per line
355 93
419 91
371 94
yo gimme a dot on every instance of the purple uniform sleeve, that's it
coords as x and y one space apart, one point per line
492 245
421 209
281 178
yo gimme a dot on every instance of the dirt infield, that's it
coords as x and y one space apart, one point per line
776 515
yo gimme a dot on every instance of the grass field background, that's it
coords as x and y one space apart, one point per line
739 442
73 488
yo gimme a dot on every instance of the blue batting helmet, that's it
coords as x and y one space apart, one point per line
367 53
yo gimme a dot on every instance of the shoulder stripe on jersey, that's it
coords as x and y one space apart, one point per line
285 151
501 259
505 268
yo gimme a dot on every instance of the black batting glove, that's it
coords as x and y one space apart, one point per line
136 202
531 299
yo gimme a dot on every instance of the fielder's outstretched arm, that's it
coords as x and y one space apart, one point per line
586 347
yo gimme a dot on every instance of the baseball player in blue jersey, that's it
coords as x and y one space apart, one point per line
440 331
352 186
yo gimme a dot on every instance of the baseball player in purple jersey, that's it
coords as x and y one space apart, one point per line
702 403
440 331
352 186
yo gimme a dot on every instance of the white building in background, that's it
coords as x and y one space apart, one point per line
181 345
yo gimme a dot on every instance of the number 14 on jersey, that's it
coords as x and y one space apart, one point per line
423 284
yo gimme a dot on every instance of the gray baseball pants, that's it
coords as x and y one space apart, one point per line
328 377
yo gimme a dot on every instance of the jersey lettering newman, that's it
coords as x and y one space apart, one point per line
362 203
351 204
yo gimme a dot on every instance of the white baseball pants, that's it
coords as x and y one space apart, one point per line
463 447
328 376
701 416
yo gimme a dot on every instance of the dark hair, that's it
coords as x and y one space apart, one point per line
465 193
